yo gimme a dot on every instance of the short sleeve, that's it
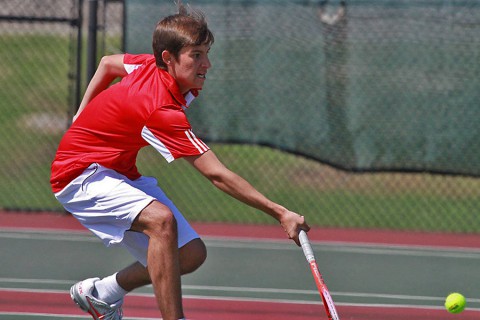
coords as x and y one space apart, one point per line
170 133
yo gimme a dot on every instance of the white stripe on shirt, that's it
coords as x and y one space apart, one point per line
201 147
157 144
131 67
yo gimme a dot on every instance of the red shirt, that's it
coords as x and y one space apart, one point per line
145 107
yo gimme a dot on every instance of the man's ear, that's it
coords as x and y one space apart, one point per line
166 57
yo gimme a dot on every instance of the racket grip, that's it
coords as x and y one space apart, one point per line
306 247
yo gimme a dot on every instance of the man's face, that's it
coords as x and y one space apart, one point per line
190 69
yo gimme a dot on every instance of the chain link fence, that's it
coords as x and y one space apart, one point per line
38 56
241 105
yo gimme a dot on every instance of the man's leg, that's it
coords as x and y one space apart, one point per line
192 256
163 259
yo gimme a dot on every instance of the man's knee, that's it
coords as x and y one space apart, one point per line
192 256
155 219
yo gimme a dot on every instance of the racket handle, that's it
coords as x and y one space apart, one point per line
306 247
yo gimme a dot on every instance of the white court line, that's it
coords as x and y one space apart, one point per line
262 244
420 251
48 236
230 289
243 299
272 244
246 299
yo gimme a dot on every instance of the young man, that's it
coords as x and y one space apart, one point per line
95 178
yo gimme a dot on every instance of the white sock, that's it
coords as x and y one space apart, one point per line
108 290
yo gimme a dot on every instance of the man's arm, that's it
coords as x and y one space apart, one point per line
109 68
229 182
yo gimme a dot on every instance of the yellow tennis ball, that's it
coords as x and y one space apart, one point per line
455 302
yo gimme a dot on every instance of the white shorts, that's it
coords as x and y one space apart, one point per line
106 203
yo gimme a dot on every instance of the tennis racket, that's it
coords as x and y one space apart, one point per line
322 287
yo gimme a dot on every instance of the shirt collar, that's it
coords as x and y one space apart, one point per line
190 96
172 86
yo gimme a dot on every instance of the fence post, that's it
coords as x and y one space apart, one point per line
92 39
78 80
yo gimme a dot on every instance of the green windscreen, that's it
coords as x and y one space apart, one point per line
372 85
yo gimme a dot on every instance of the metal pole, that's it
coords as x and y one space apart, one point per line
92 39
124 26
78 84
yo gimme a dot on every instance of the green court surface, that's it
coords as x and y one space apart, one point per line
360 276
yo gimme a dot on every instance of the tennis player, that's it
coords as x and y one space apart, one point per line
94 173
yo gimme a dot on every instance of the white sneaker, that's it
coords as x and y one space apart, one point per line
81 293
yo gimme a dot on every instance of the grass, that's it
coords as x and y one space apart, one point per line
328 197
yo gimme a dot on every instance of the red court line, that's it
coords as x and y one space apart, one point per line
58 221
140 306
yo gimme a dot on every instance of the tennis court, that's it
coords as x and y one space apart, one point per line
252 272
